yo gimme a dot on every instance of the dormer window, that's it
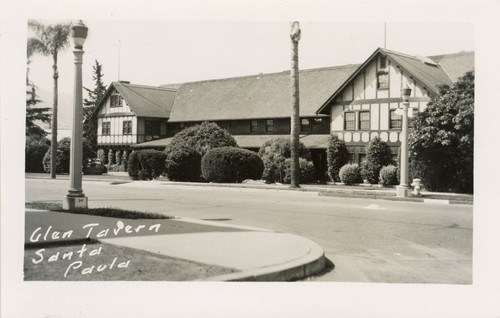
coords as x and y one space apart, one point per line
116 100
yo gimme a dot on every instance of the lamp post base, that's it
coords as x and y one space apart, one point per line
403 191
71 202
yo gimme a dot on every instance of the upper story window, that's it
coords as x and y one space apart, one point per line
127 127
253 126
350 121
383 62
270 125
305 125
364 120
116 100
396 120
382 80
106 128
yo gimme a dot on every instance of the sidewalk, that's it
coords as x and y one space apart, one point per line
66 246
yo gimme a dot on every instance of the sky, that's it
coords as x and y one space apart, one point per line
165 52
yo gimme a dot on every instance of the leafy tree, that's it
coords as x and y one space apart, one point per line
274 153
337 156
49 40
441 142
35 150
90 105
378 154
63 156
203 137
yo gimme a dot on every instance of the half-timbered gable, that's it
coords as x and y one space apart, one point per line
130 114
364 107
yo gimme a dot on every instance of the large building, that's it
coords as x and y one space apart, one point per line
355 102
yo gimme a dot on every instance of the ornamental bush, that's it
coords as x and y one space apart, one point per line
350 174
35 149
203 137
231 164
63 155
389 175
306 171
101 155
146 164
378 154
182 163
337 156
274 153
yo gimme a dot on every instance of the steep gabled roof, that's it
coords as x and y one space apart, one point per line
424 71
253 97
456 64
147 101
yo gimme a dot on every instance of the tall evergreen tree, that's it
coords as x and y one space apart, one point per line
49 40
90 104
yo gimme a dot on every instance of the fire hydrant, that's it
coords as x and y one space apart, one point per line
416 184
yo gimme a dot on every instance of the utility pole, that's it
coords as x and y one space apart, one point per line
295 124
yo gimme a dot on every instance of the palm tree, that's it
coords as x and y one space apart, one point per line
49 40
295 125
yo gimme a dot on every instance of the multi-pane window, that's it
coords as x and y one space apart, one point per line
270 125
350 121
127 127
253 126
396 120
382 80
305 125
106 128
116 100
364 120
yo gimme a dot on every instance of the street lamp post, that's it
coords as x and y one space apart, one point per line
76 198
403 190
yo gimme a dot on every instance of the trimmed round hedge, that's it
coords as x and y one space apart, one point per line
389 175
183 164
146 164
350 174
230 164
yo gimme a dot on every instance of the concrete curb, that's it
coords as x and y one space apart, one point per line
308 265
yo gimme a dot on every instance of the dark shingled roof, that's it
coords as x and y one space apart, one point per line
251 141
147 101
259 96
429 75
457 64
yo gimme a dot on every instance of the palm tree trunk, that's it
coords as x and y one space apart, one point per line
53 146
295 124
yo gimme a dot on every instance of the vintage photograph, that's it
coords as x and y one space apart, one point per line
174 166
288 166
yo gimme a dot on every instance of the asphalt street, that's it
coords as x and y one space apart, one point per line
367 240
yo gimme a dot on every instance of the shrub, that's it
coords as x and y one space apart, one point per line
274 154
118 157
378 154
125 160
389 175
350 174
337 156
182 163
35 149
306 174
203 137
101 155
63 155
111 157
146 164
230 164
